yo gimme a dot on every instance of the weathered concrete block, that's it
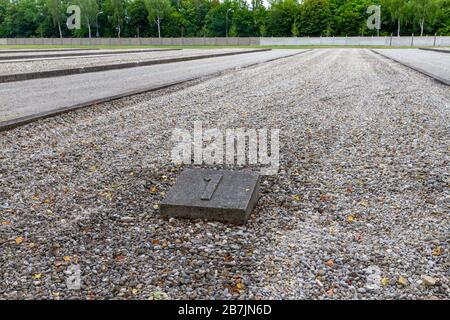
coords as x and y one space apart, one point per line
222 195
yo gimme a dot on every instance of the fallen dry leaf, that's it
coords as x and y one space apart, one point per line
384 281
363 203
402 281
120 258
19 240
329 263
437 251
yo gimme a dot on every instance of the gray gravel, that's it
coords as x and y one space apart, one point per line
433 63
47 64
359 208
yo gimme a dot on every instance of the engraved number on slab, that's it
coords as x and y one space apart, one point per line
211 186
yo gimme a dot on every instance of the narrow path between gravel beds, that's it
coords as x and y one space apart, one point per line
358 203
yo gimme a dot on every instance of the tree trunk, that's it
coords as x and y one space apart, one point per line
59 28
89 29
159 27
118 31
398 28
422 23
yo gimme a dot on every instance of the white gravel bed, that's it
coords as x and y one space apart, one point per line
48 64
359 208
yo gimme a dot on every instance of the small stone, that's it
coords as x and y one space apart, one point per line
126 219
329 263
402 281
428 281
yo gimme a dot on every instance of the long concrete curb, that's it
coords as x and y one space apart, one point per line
45 50
66 72
425 72
436 50
78 54
11 124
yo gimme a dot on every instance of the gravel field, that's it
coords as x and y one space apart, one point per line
87 61
359 208
436 64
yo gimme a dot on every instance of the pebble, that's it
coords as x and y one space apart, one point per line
428 281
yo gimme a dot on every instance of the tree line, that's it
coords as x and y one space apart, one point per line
214 18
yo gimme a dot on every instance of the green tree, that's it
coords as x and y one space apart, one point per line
295 31
117 11
157 11
242 20
442 23
55 8
216 18
89 9
5 11
397 10
316 18
349 17
424 11
281 16
138 19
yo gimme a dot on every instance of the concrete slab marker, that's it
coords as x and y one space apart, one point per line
222 195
